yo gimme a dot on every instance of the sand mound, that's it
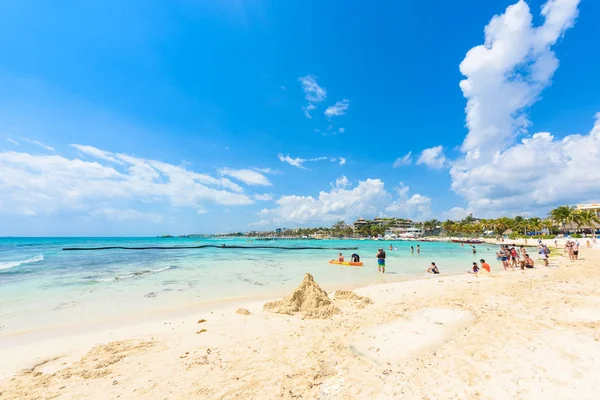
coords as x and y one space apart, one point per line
242 311
350 295
308 298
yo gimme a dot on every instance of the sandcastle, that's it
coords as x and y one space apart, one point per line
307 298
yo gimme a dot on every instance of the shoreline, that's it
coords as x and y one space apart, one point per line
94 333
455 324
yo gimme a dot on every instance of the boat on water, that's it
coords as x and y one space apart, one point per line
347 263
468 241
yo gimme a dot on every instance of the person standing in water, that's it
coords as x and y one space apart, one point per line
412 249
418 249
381 261
474 251
391 247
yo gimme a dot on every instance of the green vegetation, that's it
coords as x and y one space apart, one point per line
561 219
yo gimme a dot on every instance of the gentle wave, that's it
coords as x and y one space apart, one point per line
134 274
11 264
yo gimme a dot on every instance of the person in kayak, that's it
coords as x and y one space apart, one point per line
341 258
355 257
381 260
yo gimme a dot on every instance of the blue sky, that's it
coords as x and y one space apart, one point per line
176 117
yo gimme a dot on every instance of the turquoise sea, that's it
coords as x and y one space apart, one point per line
42 286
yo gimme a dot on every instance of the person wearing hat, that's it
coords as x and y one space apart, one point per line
381 260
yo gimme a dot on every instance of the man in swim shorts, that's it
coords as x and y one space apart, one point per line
381 261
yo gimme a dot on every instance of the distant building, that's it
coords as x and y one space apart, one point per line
278 231
361 222
595 208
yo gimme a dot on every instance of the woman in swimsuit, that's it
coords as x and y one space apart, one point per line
503 256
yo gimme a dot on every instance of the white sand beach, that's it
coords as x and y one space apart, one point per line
531 334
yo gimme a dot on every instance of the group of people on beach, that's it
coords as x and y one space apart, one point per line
572 248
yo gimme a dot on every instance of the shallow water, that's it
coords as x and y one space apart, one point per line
42 286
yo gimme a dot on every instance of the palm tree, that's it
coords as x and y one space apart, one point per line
587 219
564 215
535 223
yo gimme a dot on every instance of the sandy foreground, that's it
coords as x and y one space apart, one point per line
531 334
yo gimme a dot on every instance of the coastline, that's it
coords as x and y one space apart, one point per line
470 330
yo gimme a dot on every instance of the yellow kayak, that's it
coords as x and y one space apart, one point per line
347 263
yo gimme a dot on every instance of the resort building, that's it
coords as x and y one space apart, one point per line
595 208
384 222
361 222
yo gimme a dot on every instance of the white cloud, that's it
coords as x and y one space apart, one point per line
339 108
263 197
341 160
97 153
298 162
262 222
432 157
367 198
248 176
503 78
128 214
268 171
308 109
341 130
416 206
540 171
51 184
312 91
406 160
37 143
13 141
456 214
342 182
506 74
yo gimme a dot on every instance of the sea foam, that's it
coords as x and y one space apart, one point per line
11 264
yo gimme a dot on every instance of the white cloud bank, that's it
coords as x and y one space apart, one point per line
503 78
34 184
367 199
